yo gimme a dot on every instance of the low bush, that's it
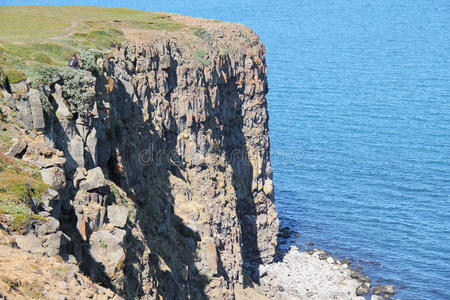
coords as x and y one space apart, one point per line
89 60
78 88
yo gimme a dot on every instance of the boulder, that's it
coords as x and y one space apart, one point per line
80 175
19 86
117 215
51 226
375 297
42 155
91 144
76 150
62 110
53 243
55 177
18 149
48 200
165 62
384 289
23 105
107 248
29 243
94 179
36 109
10 101
363 289
90 212
330 260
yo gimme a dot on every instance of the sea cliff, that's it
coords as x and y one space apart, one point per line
145 173
161 184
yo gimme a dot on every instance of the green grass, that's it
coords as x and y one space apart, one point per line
35 37
203 34
103 244
199 56
33 290
18 183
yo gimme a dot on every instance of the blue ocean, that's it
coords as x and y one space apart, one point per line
359 107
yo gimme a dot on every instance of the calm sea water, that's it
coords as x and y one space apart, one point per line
360 126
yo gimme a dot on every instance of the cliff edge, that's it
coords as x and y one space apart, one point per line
155 153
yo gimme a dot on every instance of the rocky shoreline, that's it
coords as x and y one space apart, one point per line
314 274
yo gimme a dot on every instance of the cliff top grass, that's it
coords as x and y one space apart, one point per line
33 38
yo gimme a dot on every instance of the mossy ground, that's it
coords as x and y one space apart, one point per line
32 38
19 183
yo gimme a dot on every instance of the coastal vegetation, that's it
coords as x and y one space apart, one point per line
51 35
21 187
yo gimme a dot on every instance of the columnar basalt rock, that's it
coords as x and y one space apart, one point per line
201 134
166 186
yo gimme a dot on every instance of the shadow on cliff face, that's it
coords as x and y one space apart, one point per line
231 116
159 248
57 132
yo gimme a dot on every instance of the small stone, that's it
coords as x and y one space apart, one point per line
330 260
375 297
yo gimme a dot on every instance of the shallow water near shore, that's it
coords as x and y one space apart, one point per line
359 104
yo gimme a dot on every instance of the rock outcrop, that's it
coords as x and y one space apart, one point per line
164 188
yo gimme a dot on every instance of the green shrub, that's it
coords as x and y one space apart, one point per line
78 90
89 60
46 105
46 74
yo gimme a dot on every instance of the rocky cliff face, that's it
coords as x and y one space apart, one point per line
165 186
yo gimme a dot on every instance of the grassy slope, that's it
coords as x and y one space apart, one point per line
36 37
18 183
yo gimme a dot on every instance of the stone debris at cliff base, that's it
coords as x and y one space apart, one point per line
309 275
